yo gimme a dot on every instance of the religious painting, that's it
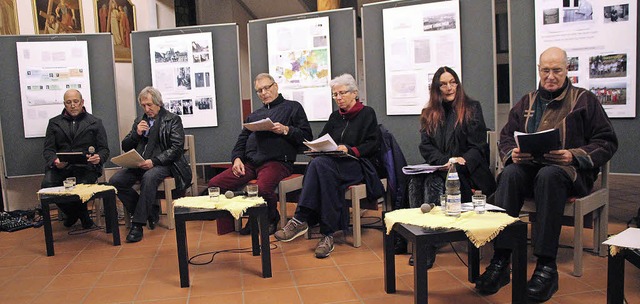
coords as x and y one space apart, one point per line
58 16
8 18
117 17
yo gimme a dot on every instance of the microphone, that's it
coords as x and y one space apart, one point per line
91 150
232 194
426 208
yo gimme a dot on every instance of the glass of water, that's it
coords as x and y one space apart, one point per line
252 191
214 194
69 183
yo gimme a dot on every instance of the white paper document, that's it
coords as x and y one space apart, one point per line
131 159
421 168
260 125
629 238
324 143
488 207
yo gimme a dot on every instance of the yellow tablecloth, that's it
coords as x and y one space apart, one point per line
84 191
236 206
479 228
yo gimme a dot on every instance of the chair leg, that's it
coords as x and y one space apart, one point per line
98 208
282 200
168 201
603 230
578 226
357 233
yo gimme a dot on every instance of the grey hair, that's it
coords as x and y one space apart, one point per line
264 75
156 96
344 80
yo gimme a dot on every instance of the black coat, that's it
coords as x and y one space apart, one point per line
170 143
469 141
359 133
89 132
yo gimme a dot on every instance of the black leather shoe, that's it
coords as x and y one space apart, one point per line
135 234
543 283
154 218
246 230
431 257
70 221
273 224
494 277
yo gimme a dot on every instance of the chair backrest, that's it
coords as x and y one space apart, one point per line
190 152
494 161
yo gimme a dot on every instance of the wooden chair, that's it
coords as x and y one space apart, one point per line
594 206
169 184
355 194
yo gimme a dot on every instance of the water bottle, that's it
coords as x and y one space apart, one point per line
479 201
452 190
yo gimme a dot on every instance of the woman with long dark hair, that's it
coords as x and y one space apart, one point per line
451 125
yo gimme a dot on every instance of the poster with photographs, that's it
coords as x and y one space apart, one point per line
418 39
300 62
600 39
182 69
47 69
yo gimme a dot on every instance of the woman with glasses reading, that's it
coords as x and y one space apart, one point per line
451 125
354 128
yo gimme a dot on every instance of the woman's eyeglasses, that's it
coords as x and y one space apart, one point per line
341 93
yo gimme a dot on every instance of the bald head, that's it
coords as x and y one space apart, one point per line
552 68
73 102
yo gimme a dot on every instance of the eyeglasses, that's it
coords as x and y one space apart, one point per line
265 88
547 71
341 93
74 101
452 84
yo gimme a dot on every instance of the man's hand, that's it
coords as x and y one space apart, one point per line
518 157
279 128
143 126
238 167
146 165
93 159
560 157
59 164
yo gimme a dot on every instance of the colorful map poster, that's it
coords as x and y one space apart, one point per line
300 62
600 39
418 39
182 69
47 70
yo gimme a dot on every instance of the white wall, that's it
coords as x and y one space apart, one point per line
150 15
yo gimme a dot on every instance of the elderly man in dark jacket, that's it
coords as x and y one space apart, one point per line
74 130
158 136
588 142
267 156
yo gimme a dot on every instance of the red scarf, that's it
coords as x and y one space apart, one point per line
353 111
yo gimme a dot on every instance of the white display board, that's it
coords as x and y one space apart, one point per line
182 69
418 39
300 62
600 39
48 69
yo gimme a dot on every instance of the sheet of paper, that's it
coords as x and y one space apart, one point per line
421 168
324 143
131 159
260 125
629 238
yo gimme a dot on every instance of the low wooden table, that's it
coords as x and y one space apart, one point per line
111 213
422 237
258 220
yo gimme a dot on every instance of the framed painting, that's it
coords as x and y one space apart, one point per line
8 18
57 16
117 17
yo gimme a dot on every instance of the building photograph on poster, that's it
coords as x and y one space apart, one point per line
300 62
117 17
418 39
182 69
600 40
57 16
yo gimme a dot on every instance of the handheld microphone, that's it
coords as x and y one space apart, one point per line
91 150
426 208
232 194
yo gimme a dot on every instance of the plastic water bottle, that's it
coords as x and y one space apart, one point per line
479 201
452 186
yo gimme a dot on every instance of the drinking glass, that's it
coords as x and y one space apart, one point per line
214 194
252 191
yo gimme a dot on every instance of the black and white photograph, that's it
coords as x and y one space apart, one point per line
183 78
573 64
578 10
187 107
616 13
201 57
175 106
172 54
204 103
551 16
202 80
439 22
608 66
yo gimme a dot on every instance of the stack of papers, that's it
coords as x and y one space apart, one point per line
324 143
260 125
131 159
422 168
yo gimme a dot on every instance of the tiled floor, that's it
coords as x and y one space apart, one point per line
88 269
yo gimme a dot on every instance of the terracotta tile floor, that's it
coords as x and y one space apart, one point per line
88 269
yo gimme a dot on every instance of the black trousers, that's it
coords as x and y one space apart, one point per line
53 177
142 205
550 187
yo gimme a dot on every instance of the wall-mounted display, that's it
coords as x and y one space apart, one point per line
117 17
57 16
600 40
